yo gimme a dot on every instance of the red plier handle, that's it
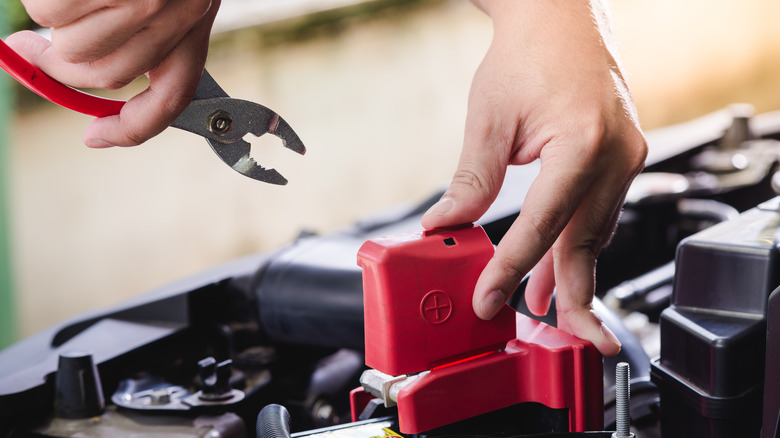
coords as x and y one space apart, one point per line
42 84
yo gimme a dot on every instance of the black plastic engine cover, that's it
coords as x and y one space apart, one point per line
713 337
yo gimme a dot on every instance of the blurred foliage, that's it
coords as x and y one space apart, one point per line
16 16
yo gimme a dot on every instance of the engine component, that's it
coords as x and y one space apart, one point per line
623 401
148 393
273 422
78 391
717 318
771 423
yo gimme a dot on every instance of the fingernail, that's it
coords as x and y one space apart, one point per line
440 208
609 335
98 144
491 304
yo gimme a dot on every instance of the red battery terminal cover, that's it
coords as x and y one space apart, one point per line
417 291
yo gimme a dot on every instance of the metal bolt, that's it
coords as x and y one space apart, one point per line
220 123
323 413
160 396
622 401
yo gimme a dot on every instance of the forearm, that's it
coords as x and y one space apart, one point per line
550 23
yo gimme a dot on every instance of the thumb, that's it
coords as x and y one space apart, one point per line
473 188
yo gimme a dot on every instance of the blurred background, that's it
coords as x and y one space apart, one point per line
377 91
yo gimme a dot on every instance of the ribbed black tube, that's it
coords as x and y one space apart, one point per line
273 421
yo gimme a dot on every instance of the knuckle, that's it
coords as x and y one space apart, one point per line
149 8
490 132
136 136
39 13
99 77
568 311
593 134
586 248
73 54
200 8
473 180
576 302
104 75
547 226
598 139
511 270
176 103
111 82
73 50
637 153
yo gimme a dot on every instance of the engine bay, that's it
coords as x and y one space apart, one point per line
275 344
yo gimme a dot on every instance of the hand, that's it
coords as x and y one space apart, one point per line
549 88
108 44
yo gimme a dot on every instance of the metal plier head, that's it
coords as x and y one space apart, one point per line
221 120
224 122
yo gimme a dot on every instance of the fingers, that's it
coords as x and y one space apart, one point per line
172 85
548 206
41 53
577 248
575 279
87 30
126 59
142 32
585 324
55 13
575 269
567 218
539 291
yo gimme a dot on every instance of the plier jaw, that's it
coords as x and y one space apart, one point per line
212 114
225 122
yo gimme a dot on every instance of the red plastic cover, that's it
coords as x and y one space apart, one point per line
417 291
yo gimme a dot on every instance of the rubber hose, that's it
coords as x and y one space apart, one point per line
273 421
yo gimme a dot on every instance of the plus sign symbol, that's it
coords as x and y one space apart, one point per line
436 307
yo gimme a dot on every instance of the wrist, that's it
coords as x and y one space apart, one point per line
549 16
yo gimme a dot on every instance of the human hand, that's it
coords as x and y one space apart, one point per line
549 88
107 44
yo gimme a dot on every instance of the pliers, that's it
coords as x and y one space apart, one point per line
212 114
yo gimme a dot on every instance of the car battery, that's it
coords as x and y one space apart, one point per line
710 372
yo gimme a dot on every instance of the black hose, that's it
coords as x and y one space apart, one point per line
273 421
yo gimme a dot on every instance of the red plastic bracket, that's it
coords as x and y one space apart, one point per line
418 317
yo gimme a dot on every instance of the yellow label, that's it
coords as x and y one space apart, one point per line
388 433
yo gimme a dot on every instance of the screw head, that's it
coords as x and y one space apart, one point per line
220 123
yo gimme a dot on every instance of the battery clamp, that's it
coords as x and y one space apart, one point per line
438 362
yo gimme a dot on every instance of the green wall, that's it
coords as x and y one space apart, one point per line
7 306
